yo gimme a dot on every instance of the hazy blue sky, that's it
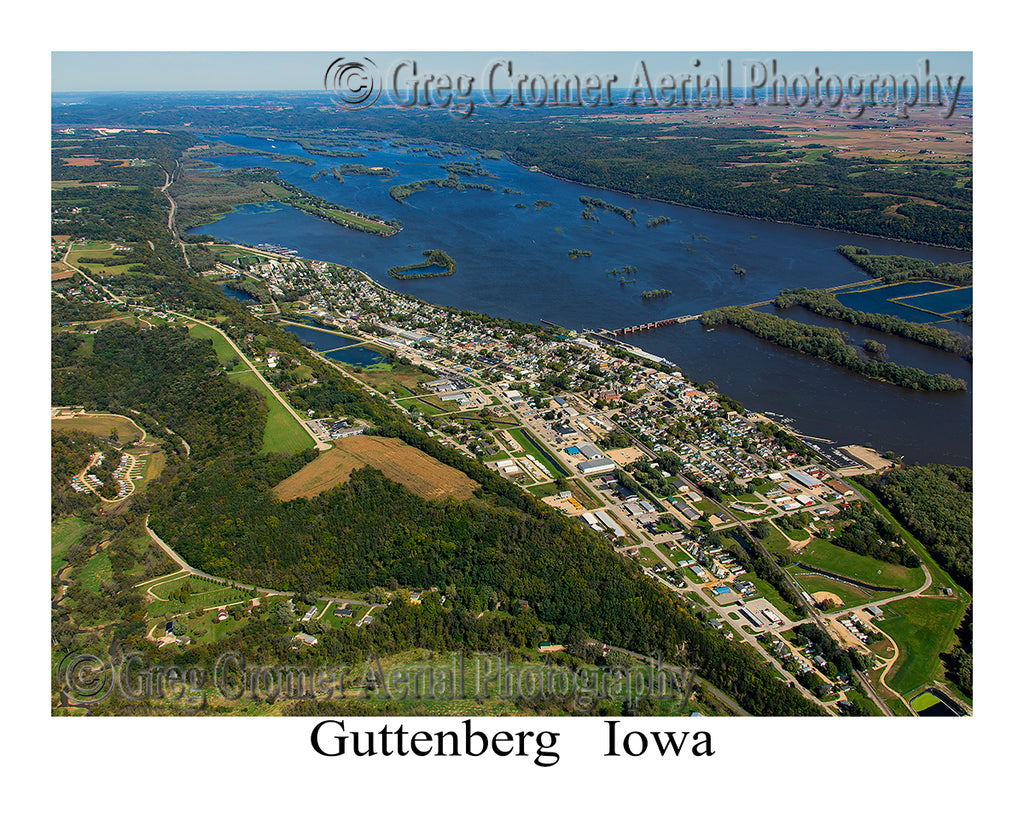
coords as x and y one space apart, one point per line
288 71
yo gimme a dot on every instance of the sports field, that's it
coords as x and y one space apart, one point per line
417 471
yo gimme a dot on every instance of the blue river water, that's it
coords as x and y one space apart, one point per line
514 262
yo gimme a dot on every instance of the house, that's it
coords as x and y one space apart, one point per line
305 639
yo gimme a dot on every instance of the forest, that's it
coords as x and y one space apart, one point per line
172 378
900 268
868 533
934 503
372 532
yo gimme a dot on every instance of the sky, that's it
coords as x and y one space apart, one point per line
304 70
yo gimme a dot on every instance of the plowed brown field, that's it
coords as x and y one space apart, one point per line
417 471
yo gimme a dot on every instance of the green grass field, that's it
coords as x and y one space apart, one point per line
63 534
282 432
544 456
850 595
922 628
81 257
93 573
776 541
831 558
220 344
923 701
204 594
435 407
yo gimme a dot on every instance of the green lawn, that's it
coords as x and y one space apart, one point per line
63 534
923 628
776 541
93 573
282 432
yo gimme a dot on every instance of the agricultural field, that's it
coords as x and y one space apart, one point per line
417 471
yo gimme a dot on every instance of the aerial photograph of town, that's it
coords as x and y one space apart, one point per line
514 405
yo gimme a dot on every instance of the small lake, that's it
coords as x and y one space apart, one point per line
337 346
358 356
231 292
903 300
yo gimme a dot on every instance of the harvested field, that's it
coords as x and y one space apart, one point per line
81 161
100 424
417 471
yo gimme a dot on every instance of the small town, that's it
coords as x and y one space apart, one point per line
674 475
